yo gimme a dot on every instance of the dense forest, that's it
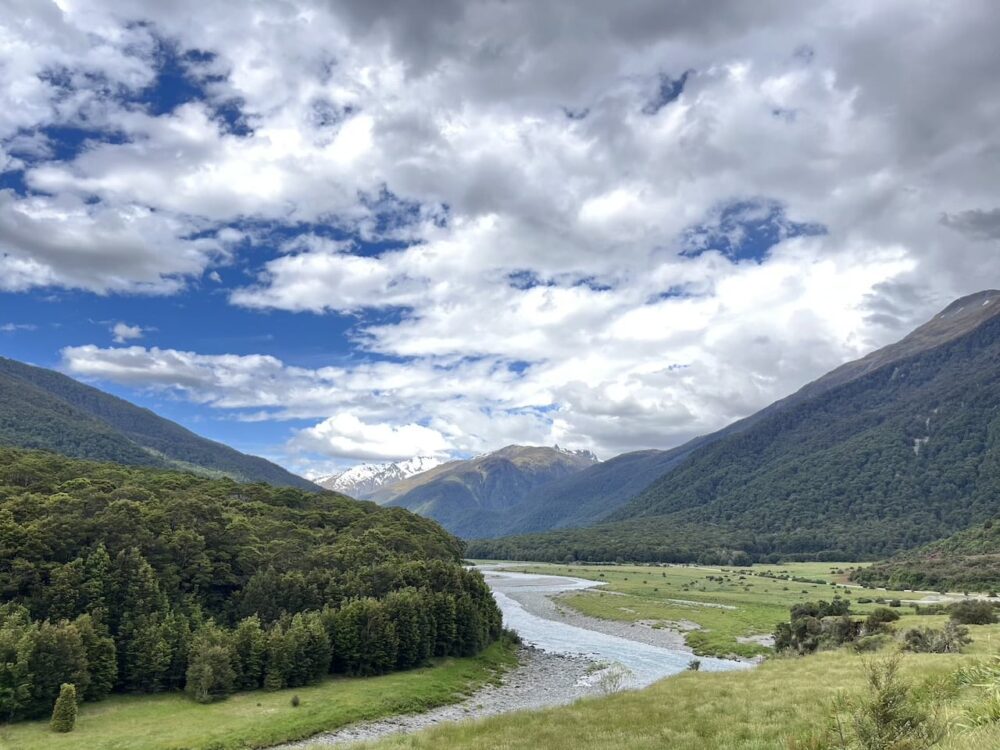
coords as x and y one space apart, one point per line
966 561
45 410
892 460
140 580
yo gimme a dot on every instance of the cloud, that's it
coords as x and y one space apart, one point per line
15 327
124 332
346 436
600 226
975 223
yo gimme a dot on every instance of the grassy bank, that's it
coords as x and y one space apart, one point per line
726 604
260 719
784 703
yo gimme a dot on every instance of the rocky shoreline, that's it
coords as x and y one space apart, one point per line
541 679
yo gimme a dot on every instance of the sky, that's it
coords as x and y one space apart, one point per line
335 232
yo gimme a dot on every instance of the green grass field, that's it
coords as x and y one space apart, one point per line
784 704
259 719
726 604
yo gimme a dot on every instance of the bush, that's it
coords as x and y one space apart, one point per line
871 643
64 711
948 640
889 716
878 620
973 613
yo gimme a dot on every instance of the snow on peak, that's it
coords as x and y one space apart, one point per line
363 480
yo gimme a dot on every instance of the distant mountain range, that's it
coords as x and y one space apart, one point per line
886 453
43 409
364 480
474 497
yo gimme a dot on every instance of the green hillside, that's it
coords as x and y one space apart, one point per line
966 561
46 410
136 580
898 455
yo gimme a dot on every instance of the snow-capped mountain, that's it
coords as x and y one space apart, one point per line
363 480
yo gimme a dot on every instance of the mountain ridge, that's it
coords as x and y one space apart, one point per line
46 410
470 496
856 464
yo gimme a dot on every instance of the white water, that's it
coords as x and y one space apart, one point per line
647 663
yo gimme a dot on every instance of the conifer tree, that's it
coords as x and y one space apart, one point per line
250 653
102 661
64 711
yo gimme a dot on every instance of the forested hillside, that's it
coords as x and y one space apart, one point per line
587 496
46 410
900 455
141 580
966 561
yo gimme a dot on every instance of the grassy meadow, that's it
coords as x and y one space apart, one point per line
784 704
171 721
726 604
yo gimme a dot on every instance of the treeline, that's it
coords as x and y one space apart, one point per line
966 561
135 580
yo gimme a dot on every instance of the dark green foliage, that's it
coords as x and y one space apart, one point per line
366 638
815 624
878 620
973 612
141 580
948 640
837 474
64 710
210 675
43 409
968 560
250 646
102 661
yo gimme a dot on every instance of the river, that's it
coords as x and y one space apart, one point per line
518 594
565 657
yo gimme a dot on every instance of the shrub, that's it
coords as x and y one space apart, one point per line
878 620
889 716
871 643
64 711
948 640
973 613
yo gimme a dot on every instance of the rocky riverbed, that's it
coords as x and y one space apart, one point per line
541 679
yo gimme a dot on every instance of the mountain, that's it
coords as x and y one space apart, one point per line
364 480
471 497
46 410
880 455
587 496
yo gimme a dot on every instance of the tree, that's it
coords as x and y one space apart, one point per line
366 638
102 661
249 653
144 656
278 658
210 674
55 655
64 711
